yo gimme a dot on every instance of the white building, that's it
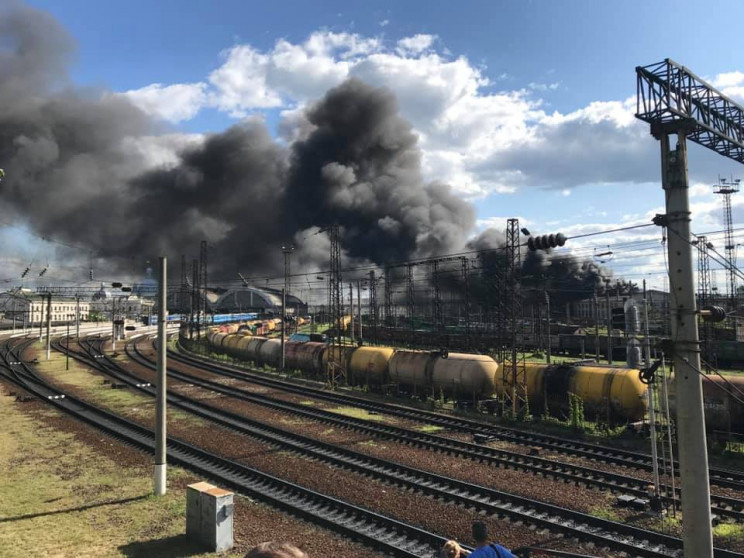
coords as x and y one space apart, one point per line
27 308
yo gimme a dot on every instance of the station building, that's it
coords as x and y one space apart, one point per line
254 299
29 308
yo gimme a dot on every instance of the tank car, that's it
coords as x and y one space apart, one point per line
306 356
609 394
369 366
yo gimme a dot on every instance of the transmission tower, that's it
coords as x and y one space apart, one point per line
437 298
726 188
336 369
373 305
203 279
184 292
466 288
705 296
389 296
514 373
195 299
287 251
411 294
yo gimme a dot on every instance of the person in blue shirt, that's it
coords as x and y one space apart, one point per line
483 548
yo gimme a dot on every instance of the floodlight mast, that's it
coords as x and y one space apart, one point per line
676 102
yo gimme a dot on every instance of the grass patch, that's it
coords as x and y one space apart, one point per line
308 403
428 428
732 531
90 383
361 414
61 497
605 512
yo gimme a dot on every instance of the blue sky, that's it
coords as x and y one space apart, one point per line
540 127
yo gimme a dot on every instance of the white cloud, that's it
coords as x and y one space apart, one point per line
160 151
415 44
173 103
475 133
565 192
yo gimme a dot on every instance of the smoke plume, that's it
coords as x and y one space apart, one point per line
76 172
81 169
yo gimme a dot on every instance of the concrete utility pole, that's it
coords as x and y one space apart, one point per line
161 436
693 453
359 307
284 315
609 323
49 326
596 326
351 310
547 326
650 392
77 317
113 323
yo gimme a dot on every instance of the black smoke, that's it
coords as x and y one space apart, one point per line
75 173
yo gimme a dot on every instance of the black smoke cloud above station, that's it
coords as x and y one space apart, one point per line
76 173
72 172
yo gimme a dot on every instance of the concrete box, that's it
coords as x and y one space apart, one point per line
209 516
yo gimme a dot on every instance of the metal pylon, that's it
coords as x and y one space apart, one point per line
203 279
514 373
336 370
411 294
373 304
436 298
726 188
389 296
705 298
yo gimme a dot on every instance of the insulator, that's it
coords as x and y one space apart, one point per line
546 241
25 272
43 271
713 313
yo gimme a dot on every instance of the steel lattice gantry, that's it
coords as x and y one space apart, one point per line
670 93
677 103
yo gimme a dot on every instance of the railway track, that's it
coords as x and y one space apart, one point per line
381 533
615 536
718 477
722 506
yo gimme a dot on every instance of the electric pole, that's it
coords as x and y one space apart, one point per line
672 99
161 436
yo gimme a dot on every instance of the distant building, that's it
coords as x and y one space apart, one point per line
583 310
254 299
127 305
25 307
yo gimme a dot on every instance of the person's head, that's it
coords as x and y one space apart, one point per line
480 532
275 550
451 550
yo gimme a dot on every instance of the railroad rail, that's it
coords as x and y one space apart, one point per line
382 533
722 506
616 536
718 476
